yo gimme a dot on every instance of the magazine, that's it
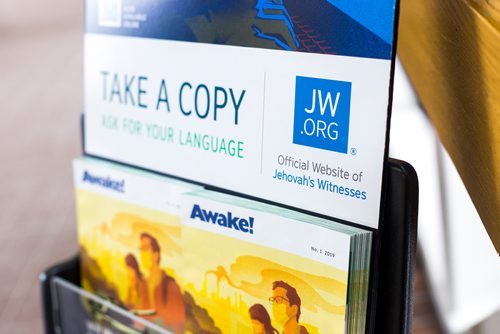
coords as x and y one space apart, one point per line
254 268
129 231
198 261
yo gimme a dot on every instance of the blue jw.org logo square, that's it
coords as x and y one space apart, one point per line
322 110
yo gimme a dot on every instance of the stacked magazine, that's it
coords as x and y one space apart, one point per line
251 264
282 102
197 261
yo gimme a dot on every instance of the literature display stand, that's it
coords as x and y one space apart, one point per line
280 131
391 289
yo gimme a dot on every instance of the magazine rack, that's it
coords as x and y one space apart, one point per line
63 302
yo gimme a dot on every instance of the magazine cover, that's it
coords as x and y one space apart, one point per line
130 240
251 271
292 97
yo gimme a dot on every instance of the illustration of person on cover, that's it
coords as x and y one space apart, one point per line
286 308
164 293
261 321
137 293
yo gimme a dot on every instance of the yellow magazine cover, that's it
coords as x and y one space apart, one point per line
255 272
130 240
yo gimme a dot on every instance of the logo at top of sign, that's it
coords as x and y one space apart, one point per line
322 112
110 13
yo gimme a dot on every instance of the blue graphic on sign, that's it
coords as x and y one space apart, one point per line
322 112
376 16
275 10
356 28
